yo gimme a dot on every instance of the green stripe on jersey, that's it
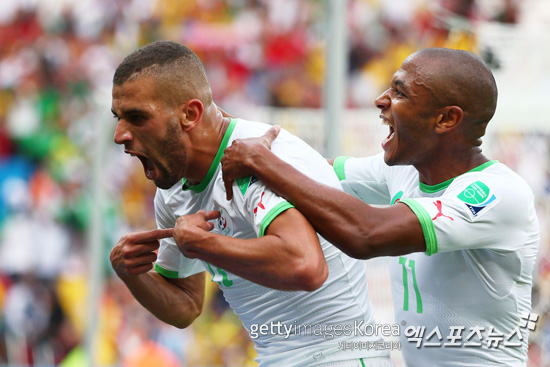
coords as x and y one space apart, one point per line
273 213
166 273
429 189
426 223
215 163
339 167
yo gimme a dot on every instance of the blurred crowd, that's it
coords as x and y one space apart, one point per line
57 58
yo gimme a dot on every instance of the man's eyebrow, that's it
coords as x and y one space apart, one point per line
130 111
399 83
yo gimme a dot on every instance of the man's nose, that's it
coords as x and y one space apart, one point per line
383 100
122 133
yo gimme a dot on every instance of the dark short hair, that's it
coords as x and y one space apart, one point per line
176 67
160 54
464 79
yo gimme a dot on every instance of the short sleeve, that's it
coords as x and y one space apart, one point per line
170 261
261 206
364 178
476 214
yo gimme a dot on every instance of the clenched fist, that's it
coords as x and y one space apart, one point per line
191 232
134 253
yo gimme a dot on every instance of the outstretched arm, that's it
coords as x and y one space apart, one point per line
360 230
288 257
175 301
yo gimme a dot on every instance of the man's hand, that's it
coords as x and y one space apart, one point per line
134 253
191 231
237 159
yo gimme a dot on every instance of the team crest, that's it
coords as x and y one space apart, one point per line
478 198
224 224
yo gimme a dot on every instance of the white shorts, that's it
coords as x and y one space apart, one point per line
363 362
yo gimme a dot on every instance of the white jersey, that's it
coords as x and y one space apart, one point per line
288 328
467 300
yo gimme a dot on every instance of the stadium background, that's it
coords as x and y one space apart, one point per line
61 175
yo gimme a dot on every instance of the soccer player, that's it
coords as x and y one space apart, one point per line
461 228
303 301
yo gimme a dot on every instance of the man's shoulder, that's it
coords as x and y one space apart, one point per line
497 177
375 161
248 129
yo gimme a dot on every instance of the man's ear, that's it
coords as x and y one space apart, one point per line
191 114
448 119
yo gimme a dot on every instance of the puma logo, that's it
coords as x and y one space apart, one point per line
260 205
439 207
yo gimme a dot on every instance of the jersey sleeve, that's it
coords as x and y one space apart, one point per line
170 261
477 214
260 206
364 178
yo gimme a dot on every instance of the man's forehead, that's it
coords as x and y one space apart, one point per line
133 92
418 67
403 77
398 75
122 106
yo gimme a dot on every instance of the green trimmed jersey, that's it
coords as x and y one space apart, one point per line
288 328
467 300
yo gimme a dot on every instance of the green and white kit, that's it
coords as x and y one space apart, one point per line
317 321
464 301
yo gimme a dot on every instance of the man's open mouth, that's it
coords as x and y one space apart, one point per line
148 165
391 133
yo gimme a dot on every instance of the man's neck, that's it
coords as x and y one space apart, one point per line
445 167
206 146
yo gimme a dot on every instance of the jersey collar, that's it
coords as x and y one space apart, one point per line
215 163
429 189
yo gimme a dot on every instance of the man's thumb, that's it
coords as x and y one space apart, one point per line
272 134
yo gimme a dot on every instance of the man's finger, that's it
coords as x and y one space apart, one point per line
139 259
143 247
140 269
207 216
228 186
213 214
155 234
272 134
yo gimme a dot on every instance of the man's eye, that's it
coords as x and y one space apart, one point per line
136 118
116 117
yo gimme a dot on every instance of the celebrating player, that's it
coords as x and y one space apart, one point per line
462 228
291 289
